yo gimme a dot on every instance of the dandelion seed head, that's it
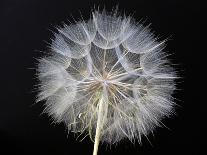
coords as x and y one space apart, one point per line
112 58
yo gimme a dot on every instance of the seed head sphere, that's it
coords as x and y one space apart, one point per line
107 77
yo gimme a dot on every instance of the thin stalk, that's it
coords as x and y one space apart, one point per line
99 126
102 113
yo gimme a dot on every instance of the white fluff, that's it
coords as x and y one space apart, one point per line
108 77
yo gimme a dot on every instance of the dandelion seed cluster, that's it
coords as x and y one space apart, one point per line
110 71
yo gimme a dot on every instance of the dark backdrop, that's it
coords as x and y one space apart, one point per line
25 26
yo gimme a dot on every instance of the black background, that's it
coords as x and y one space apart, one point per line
25 26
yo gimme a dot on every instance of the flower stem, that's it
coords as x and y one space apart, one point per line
99 125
